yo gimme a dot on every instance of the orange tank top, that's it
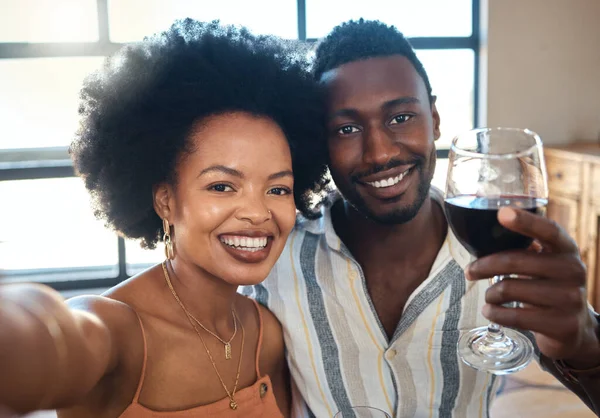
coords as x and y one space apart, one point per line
254 401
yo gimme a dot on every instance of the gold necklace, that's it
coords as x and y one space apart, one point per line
227 344
232 403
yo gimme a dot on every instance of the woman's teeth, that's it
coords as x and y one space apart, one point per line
245 243
389 182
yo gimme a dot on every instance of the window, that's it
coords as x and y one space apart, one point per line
156 15
39 100
48 21
47 47
452 78
414 18
139 258
46 225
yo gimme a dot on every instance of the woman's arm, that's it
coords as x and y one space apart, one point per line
277 368
52 354
281 388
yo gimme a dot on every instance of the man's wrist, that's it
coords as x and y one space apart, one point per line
587 363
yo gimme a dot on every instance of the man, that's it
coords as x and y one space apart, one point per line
372 296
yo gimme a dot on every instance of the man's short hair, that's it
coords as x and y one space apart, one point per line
362 39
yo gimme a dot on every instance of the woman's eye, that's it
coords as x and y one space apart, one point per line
400 119
280 191
221 188
347 130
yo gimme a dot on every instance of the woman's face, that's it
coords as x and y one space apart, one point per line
232 208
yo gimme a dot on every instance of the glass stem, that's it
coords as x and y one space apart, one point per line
495 331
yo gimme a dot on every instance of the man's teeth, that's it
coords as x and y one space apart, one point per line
245 243
389 182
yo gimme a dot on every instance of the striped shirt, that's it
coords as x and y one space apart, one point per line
338 352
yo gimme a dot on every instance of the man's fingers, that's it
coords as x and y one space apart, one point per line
546 231
548 322
537 292
550 266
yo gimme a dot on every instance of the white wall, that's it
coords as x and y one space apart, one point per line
543 67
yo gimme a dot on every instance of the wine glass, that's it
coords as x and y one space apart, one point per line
362 412
490 168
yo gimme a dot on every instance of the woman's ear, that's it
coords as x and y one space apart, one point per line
163 200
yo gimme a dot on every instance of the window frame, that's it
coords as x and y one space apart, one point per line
54 162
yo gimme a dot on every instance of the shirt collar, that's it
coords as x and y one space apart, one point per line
324 226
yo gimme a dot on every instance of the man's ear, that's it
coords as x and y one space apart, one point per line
436 119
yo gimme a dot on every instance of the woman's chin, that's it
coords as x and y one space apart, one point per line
246 282
250 277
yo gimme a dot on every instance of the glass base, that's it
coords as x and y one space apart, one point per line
500 352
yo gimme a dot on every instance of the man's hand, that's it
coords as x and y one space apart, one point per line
554 297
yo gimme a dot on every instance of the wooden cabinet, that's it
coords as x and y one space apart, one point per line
565 211
592 256
574 185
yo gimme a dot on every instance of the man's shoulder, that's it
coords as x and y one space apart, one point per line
307 233
316 225
303 228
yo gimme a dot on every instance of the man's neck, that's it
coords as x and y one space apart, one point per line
395 259
386 245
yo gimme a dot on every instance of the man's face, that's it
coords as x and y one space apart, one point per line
382 129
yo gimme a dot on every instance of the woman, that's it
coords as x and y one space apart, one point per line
185 137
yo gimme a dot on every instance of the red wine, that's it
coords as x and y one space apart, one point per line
474 221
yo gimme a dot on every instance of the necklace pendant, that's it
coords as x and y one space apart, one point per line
233 405
228 353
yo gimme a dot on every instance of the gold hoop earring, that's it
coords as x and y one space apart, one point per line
169 253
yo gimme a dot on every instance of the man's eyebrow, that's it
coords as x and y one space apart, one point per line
400 101
353 113
350 113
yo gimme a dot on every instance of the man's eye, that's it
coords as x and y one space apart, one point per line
400 119
348 129
221 188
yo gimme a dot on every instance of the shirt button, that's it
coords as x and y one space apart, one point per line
263 389
391 354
